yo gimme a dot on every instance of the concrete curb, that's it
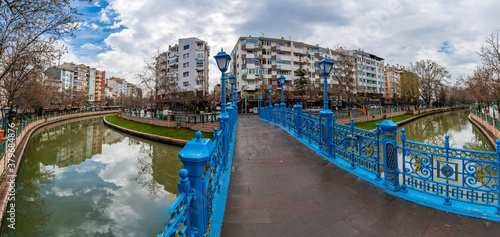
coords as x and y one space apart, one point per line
482 129
167 140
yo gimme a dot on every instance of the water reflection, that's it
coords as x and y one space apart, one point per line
431 130
80 178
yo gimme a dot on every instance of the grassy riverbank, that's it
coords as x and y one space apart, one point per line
181 133
373 124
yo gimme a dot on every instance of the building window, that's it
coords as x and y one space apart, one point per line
199 63
186 55
185 74
186 83
199 54
185 64
186 46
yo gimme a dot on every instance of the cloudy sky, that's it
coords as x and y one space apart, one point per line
120 35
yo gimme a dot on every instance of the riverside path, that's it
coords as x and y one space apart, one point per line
280 187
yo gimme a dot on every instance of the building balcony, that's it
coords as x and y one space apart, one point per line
250 55
248 46
284 57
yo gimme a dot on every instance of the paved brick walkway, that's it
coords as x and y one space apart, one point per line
279 187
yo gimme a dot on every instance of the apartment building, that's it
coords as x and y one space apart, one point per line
259 61
91 83
131 89
116 85
100 83
369 73
392 78
184 67
61 78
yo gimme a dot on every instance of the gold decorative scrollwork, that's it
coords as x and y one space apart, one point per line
418 165
480 175
390 135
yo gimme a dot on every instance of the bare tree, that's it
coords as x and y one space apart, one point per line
344 73
30 29
431 75
479 85
152 79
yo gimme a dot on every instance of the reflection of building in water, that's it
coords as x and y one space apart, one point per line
72 143
111 137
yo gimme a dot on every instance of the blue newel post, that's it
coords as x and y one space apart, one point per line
389 132
195 155
334 138
298 119
325 117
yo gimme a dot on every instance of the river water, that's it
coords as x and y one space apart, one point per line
81 178
431 130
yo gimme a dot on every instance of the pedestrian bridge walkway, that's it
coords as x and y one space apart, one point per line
280 187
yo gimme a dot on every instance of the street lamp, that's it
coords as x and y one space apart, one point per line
6 115
260 99
281 79
222 59
270 89
234 93
232 80
325 66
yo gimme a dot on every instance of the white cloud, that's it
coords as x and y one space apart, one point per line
399 31
90 46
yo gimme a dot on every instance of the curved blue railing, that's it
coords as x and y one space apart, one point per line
457 180
203 183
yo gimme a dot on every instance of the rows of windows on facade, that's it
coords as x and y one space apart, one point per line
81 79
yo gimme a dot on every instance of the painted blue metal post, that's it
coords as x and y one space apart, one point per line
389 144
277 112
333 137
195 155
298 119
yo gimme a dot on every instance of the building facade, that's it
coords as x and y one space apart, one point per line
392 79
184 67
258 62
370 74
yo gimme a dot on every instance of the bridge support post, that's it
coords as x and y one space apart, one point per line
325 120
195 156
298 119
389 144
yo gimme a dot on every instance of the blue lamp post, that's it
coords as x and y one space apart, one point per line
270 89
260 99
232 80
281 79
222 59
325 66
326 115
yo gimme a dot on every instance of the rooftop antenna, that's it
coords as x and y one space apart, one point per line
262 33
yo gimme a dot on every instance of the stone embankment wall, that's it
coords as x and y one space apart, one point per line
168 140
486 128
204 127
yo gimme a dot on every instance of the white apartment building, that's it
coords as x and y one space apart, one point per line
369 73
257 61
185 65
61 78
91 84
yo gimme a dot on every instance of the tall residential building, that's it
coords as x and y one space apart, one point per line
91 85
392 78
185 66
131 89
369 73
116 85
100 83
257 61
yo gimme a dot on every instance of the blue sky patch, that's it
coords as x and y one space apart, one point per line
445 47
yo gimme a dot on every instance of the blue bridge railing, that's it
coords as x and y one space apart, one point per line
203 183
457 180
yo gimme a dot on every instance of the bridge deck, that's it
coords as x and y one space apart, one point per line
279 187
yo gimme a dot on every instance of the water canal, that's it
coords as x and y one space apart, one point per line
431 130
81 178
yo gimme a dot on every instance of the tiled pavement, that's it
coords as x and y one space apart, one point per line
279 187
